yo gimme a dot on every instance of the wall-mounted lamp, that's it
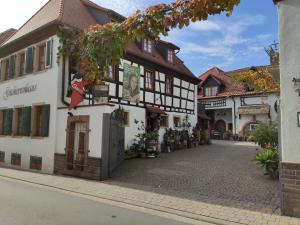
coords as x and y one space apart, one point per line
297 84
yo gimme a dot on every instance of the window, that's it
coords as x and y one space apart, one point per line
6 118
2 156
41 57
164 121
176 121
29 57
15 159
12 66
17 122
169 85
211 91
49 47
35 163
21 64
170 55
253 126
22 121
126 118
149 76
109 73
40 123
147 45
4 69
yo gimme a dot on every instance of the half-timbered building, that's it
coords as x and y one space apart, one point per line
37 131
234 111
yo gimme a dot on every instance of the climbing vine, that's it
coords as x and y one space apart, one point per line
101 45
256 81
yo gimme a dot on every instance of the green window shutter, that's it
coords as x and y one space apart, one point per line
26 121
49 53
12 67
8 117
45 120
29 57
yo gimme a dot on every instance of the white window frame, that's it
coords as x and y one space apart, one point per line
148 45
211 91
170 55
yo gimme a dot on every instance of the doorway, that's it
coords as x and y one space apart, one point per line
77 142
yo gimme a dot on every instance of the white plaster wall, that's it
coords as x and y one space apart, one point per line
227 118
270 99
95 135
289 30
46 93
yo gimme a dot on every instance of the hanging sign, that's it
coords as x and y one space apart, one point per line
131 83
101 93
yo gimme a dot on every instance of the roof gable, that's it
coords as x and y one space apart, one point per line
69 12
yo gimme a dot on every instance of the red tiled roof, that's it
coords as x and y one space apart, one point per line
6 35
69 12
246 69
226 80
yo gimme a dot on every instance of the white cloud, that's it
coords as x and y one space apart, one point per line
223 42
126 7
205 26
14 13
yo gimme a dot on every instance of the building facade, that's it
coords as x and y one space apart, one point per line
289 34
234 111
37 131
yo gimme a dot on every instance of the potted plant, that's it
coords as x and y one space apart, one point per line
269 159
169 140
265 135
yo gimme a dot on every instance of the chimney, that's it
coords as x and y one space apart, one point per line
273 52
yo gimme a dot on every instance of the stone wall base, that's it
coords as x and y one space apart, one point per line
90 171
290 189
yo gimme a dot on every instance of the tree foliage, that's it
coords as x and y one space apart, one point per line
256 81
101 45
266 134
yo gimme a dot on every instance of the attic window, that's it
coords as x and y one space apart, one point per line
147 45
211 91
170 55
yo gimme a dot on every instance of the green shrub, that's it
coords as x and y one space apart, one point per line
269 159
265 134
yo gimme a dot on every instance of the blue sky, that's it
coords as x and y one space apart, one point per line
227 42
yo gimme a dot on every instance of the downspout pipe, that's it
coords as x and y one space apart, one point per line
63 82
234 114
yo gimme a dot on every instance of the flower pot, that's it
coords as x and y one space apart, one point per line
142 154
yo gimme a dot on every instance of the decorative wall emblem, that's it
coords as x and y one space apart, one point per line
28 88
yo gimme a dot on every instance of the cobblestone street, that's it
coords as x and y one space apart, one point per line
222 173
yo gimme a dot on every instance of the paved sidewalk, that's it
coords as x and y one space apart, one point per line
169 204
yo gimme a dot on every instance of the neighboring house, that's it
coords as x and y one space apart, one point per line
36 131
289 34
234 110
6 35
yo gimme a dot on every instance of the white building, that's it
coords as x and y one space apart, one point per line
235 111
289 34
36 131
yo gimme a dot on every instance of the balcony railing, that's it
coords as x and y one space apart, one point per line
214 104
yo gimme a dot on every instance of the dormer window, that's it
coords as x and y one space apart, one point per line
211 91
170 55
147 45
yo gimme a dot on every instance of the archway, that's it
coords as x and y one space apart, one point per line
220 126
